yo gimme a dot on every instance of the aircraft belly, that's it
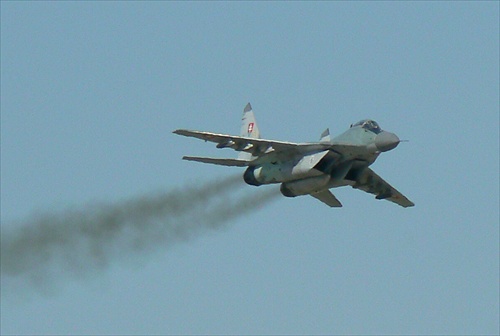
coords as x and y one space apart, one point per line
277 173
339 172
285 171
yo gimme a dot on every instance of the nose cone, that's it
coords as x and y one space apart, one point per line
386 141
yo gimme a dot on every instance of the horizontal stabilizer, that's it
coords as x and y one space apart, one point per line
328 198
221 162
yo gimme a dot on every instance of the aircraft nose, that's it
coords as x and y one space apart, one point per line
386 141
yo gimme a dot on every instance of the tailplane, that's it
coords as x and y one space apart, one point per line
249 129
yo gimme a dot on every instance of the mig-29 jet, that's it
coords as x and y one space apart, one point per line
308 168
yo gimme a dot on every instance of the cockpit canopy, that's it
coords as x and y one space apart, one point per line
369 125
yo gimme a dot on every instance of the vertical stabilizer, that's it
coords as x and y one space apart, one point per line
325 136
249 129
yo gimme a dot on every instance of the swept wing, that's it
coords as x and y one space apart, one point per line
372 183
262 148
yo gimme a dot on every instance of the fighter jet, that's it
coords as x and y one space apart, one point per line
308 168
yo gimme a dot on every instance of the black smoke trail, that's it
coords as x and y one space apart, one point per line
77 242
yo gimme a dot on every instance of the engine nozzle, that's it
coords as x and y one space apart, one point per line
249 176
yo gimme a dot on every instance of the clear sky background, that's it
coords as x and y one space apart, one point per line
90 95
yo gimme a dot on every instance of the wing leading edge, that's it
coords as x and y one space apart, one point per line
246 144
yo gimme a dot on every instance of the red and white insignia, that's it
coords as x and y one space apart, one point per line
250 128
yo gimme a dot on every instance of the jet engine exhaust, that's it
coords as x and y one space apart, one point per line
79 242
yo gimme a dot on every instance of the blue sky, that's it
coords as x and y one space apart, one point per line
91 91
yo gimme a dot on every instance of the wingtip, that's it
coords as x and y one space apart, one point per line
183 132
248 108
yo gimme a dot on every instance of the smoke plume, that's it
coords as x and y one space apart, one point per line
77 242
